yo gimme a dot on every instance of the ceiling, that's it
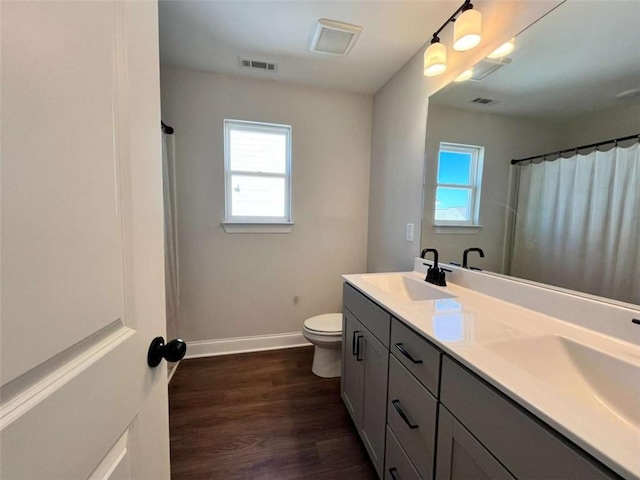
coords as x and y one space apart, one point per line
573 61
211 35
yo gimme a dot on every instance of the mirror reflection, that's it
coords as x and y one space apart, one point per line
566 213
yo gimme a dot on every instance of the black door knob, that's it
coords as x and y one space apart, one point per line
172 351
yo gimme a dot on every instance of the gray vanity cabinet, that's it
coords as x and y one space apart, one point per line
422 415
365 366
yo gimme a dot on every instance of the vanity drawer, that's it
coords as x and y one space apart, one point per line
528 448
397 465
411 414
417 355
377 320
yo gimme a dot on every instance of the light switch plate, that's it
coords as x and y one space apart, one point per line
409 232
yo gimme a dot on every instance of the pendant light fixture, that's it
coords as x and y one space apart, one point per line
466 35
435 58
466 75
504 49
467 29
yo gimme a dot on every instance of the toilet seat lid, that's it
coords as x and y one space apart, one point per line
327 323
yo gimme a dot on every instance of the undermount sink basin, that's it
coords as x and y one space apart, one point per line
578 371
405 288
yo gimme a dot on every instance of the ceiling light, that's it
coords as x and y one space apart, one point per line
504 49
467 29
466 36
466 75
435 58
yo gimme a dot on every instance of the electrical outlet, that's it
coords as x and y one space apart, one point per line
409 232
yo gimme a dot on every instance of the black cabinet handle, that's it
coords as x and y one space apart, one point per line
353 342
396 405
358 348
392 472
400 347
636 321
172 351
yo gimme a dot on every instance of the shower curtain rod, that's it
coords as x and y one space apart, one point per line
166 128
575 149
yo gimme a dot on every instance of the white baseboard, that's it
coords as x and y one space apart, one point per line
228 346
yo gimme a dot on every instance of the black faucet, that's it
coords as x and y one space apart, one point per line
435 255
466 254
435 275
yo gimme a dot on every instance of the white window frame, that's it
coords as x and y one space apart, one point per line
475 185
249 224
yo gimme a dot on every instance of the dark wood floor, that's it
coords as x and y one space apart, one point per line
261 416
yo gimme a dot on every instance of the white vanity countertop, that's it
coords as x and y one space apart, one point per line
583 383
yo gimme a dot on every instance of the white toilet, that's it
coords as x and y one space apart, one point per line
325 332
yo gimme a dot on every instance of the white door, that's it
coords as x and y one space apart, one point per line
82 292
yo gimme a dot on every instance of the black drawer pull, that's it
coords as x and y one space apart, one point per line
400 347
392 472
358 337
353 342
636 321
396 405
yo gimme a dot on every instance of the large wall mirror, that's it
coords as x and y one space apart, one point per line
569 219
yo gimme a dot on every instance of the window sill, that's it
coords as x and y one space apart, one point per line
457 229
239 227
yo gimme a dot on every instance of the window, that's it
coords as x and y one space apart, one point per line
458 185
257 161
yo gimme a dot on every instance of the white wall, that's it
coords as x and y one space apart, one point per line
399 129
620 121
234 285
504 138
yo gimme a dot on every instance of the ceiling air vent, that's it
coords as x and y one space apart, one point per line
486 67
258 65
334 38
483 101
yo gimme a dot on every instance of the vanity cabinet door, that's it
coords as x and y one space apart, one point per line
461 456
376 366
352 380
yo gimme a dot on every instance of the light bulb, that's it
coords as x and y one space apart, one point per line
435 59
504 49
467 30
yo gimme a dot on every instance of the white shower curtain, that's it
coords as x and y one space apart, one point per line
170 236
578 223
